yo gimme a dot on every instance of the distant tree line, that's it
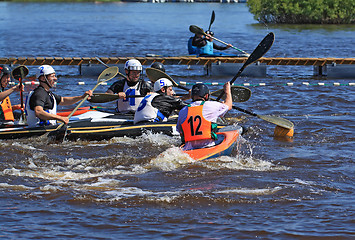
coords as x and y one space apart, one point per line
303 11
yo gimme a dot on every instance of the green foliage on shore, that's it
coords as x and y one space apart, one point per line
303 11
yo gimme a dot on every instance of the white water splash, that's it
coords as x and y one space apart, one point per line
171 159
15 187
250 191
241 162
159 139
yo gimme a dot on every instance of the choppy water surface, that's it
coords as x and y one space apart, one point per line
145 187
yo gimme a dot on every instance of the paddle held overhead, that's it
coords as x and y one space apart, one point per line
259 51
239 94
197 30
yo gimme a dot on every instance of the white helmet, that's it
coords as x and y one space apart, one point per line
162 82
133 64
44 70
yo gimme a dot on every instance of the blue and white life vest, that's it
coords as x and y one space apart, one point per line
146 111
129 104
34 121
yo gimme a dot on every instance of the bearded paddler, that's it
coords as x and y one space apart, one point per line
133 84
41 104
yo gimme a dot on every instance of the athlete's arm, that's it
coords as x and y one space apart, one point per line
41 114
227 90
6 93
71 100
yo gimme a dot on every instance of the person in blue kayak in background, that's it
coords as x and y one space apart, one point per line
158 106
203 45
197 121
133 84
6 109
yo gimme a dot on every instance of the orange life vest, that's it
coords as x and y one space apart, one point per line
195 126
7 109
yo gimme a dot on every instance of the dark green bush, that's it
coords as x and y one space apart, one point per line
303 11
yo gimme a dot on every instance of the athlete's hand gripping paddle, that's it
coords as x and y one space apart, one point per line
60 132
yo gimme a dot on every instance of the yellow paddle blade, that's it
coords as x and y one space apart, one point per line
107 74
282 122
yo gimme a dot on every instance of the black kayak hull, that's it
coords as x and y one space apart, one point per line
93 128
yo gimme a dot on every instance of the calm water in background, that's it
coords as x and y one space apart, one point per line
144 187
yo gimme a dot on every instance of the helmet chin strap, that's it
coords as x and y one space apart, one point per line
46 82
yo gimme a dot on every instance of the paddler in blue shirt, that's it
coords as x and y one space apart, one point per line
6 110
203 44
133 84
41 103
158 106
197 121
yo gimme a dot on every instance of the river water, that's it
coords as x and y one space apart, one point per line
144 188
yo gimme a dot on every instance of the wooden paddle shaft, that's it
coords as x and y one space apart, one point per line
100 61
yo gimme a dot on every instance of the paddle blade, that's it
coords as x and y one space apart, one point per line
282 122
20 72
58 135
196 30
154 74
239 94
261 49
107 74
212 20
103 97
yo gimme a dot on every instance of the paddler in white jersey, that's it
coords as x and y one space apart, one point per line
41 103
197 121
6 110
133 84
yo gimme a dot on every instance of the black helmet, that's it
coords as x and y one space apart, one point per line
159 66
200 90
210 33
4 70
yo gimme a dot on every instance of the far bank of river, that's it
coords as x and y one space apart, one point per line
151 1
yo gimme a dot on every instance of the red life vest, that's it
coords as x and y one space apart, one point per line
195 126
7 109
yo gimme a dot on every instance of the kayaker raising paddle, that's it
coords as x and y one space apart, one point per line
41 104
133 84
158 106
6 110
203 44
197 121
